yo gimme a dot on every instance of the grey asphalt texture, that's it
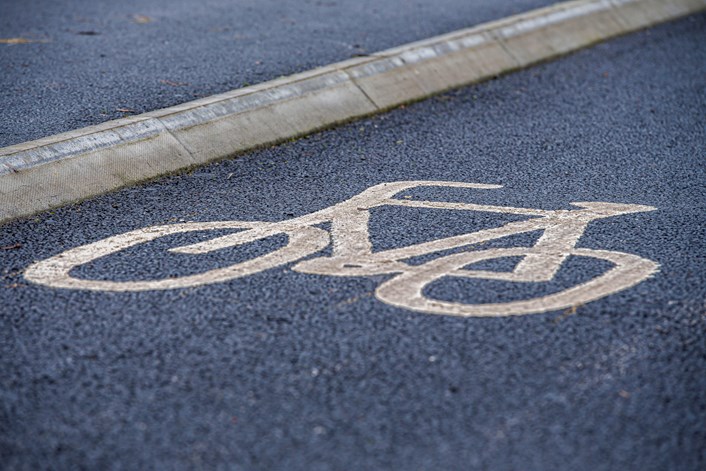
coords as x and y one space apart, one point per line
282 370
95 58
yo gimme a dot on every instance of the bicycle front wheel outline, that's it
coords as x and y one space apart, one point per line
406 289
55 271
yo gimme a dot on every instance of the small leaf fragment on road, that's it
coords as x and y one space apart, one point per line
141 19
20 41
12 246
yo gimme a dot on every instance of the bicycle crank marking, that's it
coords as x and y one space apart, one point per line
353 255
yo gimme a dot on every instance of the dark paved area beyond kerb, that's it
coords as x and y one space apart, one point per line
289 370
96 60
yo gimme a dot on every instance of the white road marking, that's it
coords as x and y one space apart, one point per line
353 253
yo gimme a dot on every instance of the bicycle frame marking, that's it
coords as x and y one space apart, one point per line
353 253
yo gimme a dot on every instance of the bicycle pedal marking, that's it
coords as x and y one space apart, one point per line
352 253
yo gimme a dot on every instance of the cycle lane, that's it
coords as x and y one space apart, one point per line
293 369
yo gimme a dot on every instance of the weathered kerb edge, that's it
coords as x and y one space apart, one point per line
48 172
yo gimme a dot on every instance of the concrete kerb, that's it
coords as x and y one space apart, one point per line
68 167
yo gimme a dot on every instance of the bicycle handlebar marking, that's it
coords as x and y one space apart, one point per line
353 255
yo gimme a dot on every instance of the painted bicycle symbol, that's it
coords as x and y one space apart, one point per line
352 253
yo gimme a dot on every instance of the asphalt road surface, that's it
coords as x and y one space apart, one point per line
284 369
96 60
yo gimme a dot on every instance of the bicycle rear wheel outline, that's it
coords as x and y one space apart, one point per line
406 289
55 271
